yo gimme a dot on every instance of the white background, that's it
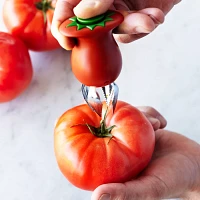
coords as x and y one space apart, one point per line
162 70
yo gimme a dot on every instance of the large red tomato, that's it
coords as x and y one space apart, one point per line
15 67
30 20
88 160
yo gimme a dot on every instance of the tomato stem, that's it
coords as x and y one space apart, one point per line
101 131
44 6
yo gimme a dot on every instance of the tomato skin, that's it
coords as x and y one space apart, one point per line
15 67
25 21
88 161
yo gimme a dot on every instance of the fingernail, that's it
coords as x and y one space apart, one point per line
88 4
156 21
154 122
163 121
140 29
105 197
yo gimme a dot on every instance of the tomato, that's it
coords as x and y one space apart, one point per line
30 20
15 67
96 58
88 159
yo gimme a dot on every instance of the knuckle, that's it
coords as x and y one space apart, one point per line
123 38
150 111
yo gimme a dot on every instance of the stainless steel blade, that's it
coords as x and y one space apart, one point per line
92 98
94 101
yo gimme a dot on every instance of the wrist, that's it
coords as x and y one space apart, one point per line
196 187
194 192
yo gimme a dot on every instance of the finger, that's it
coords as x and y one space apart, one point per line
156 14
91 8
138 24
176 1
135 23
126 38
154 122
63 10
134 27
121 5
145 189
150 112
143 21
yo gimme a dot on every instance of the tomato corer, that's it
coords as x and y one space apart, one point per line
96 59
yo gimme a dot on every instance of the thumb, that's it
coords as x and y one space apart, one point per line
151 189
90 8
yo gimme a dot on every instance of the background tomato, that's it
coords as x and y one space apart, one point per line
88 161
30 20
15 67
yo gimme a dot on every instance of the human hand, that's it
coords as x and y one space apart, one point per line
174 171
140 16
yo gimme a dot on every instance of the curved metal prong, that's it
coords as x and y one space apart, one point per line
111 94
92 98
115 89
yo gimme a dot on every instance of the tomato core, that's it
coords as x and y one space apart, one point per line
101 131
44 5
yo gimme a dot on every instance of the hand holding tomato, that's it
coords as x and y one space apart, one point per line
174 172
90 153
15 67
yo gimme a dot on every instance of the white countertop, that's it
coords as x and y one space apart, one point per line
161 70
